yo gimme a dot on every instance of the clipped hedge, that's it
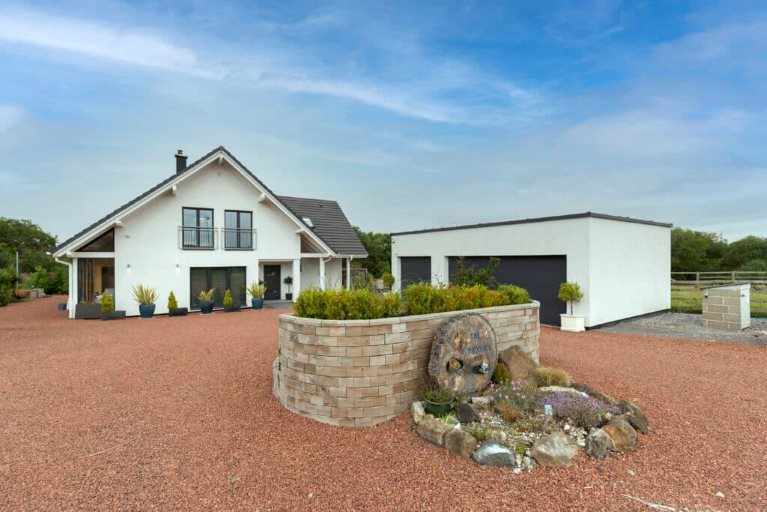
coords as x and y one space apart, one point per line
361 304
423 298
420 299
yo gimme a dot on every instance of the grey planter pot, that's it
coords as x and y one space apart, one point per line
146 310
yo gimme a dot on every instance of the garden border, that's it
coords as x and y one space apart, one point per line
363 372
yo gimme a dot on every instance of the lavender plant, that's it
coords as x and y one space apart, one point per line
584 411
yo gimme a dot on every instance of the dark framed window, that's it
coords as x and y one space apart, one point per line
197 229
238 229
104 243
220 279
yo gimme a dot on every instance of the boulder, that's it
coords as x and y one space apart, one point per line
466 413
459 442
638 421
623 435
433 430
593 393
599 444
491 453
555 449
520 365
418 412
628 406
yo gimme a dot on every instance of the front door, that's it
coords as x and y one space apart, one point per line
272 281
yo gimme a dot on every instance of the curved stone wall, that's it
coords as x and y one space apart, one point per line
362 372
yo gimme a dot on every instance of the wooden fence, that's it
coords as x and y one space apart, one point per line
703 279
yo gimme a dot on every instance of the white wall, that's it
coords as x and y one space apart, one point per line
149 239
630 270
622 267
310 273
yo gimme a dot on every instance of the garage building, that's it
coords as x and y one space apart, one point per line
622 264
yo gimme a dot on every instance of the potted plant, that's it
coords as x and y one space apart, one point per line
256 291
108 308
229 305
173 309
388 280
145 297
288 282
206 301
438 401
571 293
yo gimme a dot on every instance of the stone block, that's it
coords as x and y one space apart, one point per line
461 443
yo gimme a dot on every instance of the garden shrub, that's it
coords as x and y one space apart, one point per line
360 304
549 376
172 302
5 294
228 299
423 298
508 411
38 278
501 374
107 304
582 410
388 280
515 393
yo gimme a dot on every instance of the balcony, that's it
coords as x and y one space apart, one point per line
197 238
237 239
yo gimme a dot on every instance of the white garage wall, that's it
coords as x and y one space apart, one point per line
630 270
567 237
622 267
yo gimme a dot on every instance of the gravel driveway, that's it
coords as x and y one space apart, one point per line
177 414
690 327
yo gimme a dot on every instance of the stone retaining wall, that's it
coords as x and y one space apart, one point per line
362 372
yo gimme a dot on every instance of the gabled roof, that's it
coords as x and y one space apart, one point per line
103 223
538 219
329 223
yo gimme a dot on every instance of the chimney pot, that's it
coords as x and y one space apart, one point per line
180 161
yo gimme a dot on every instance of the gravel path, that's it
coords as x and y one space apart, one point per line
690 327
177 414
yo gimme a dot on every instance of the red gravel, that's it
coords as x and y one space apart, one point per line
177 414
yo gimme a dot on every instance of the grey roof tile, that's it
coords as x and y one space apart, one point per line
330 223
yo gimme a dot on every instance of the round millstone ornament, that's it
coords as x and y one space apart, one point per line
463 354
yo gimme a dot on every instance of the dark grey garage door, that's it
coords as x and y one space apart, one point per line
540 275
415 270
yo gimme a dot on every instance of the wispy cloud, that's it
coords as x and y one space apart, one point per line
100 40
9 116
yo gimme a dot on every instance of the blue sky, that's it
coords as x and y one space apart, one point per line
410 115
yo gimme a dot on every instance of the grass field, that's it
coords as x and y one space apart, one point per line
686 299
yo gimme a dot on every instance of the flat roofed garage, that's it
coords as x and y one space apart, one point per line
540 275
622 264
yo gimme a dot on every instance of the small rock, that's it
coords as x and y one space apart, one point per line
719 494
520 365
599 444
466 413
632 472
628 406
418 412
638 420
491 453
561 389
567 427
459 442
433 430
516 471
593 393
555 449
623 435
480 400
528 463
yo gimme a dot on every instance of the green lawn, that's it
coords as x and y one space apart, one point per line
686 299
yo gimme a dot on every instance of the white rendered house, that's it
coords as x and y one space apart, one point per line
213 224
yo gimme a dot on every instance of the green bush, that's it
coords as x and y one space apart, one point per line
388 280
570 293
228 299
172 302
38 279
107 304
501 374
549 376
359 304
5 294
423 298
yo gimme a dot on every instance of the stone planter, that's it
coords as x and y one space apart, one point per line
114 315
178 312
231 309
573 323
146 310
364 372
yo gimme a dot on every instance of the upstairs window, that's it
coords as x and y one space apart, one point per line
238 230
197 231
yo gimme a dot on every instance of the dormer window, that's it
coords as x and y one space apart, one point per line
308 221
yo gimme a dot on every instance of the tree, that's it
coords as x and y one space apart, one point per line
378 246
696 250
743 251
31 242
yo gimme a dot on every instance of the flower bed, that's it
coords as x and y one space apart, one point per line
524 422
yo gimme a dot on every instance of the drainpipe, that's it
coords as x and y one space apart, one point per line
70 302
349 272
